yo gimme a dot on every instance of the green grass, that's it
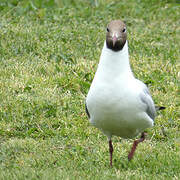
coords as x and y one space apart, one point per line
49 51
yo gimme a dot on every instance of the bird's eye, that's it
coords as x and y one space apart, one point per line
124 30
107 29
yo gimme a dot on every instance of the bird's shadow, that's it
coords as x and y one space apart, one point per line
121 163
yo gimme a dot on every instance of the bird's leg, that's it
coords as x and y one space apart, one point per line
110 151
136 142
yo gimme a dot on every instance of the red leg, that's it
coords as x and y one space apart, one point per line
110 151
136 142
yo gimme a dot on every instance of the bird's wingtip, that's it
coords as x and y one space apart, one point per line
158 108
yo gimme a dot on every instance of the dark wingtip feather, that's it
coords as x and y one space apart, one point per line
87 112
158 108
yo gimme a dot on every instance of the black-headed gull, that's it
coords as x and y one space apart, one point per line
118 103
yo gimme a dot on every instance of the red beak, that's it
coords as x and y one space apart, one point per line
114 40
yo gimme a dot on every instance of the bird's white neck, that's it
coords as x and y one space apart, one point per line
114 64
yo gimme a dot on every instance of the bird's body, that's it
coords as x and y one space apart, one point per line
114 99
118 103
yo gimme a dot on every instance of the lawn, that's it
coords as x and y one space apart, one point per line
49 52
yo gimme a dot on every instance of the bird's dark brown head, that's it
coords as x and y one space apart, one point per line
116 35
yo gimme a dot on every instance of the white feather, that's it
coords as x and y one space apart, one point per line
113 101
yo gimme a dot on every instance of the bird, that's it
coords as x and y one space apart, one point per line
117 103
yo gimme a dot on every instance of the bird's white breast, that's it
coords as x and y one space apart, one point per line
113 102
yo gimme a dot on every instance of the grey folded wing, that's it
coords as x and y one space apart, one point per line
147 100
